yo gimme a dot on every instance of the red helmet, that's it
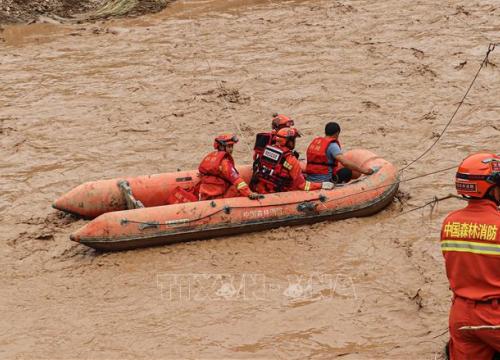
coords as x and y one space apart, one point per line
281 121
477 174
285 134
224 140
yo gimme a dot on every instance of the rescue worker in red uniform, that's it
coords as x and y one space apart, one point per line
219 177
278 170
326 162
470 242
263 139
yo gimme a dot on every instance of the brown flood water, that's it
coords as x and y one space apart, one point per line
141 96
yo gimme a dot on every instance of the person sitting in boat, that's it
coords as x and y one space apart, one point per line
279 170
219 177
263 139
326 162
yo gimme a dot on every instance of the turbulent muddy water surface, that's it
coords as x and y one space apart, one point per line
140 96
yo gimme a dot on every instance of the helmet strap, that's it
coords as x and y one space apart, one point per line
491 196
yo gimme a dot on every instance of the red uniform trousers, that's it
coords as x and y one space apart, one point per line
481 343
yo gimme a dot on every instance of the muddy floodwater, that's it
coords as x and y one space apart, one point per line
81 102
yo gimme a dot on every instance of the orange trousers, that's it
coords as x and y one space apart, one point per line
473 344
211 192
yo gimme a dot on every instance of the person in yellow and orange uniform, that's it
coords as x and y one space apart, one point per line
279 170
219 177
470 242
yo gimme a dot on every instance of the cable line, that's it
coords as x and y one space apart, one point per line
484 63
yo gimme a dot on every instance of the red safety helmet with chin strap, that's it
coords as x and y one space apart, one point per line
286 134
477 174
224 140
281 121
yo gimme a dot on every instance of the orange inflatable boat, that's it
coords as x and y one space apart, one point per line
157 224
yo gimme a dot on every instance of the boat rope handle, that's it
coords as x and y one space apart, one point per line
170 222
484 63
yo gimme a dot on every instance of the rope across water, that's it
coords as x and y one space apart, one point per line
484 63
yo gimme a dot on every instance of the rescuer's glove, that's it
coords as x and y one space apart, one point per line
326 185
255 196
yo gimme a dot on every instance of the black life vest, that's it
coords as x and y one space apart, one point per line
271 169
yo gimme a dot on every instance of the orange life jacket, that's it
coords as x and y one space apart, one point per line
269 170
211 184
317 161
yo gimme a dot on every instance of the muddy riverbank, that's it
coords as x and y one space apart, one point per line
54 11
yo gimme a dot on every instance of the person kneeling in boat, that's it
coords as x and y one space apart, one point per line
326 162
278 170
263 139
219 177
